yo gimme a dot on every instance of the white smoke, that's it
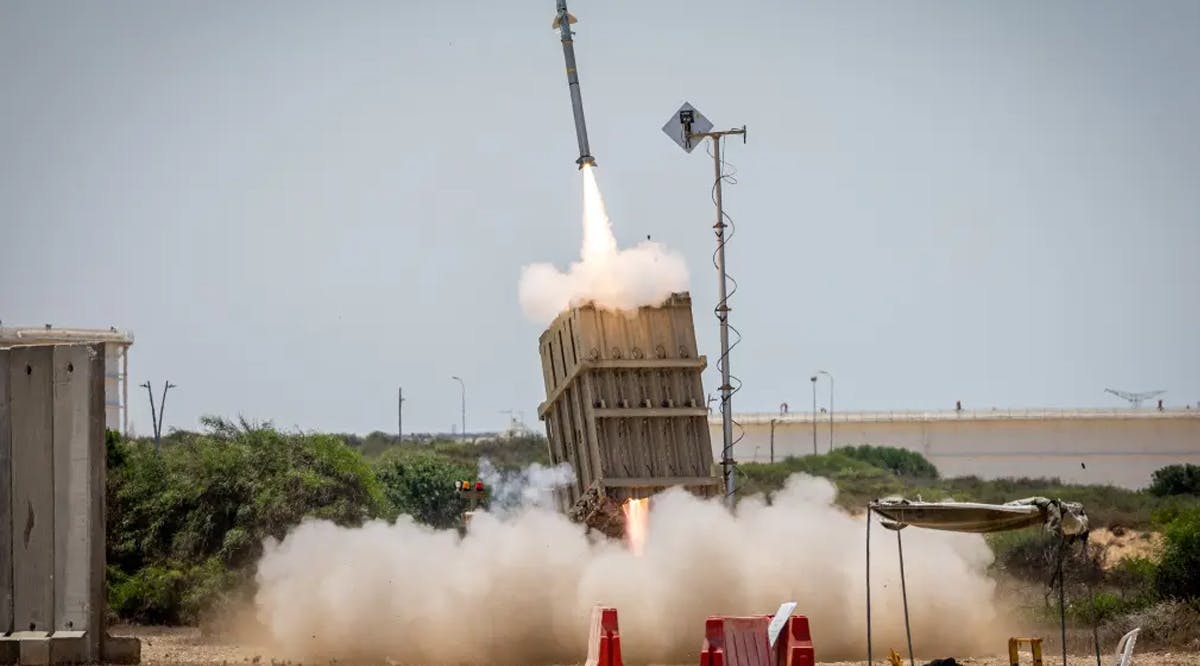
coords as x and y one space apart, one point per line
519 590
612 278
530 487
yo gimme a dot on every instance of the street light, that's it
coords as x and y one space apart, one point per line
813 379
156 419
463 387
822 372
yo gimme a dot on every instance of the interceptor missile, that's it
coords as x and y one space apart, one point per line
562 22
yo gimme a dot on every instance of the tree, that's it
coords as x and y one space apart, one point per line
1177 571
422 486
1176 480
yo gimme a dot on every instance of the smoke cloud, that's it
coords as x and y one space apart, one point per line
519 590
612 278
531 487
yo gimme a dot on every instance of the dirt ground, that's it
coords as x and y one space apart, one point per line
185 645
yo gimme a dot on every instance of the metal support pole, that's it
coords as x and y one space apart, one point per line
830 376
462 385
162 405
723 315
870 653
773 422
400 415
904 594
813 379
1062 607
153 414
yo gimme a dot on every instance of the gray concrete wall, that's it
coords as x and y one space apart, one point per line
32 408
6 543
52 471
1117 447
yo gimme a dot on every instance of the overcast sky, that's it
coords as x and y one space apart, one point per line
297 207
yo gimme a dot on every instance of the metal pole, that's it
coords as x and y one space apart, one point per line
773 421
830 376
1062 608
153 414
870 654
462 385
723 316
125 391
904 593
813 379
162 405
400 415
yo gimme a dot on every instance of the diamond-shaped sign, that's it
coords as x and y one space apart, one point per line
676 126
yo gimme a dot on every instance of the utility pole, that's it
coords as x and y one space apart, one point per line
813 379
822 372
153 414
400 415
688 127
157 420
463 387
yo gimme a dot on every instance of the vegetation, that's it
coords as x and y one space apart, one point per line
1176 480
186 524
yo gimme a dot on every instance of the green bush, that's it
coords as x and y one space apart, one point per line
186 525
900 462
1178 575
422 486
1176 480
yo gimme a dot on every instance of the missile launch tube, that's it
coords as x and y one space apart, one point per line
563 23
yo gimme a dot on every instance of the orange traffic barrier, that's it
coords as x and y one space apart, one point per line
794 645
736 641
604 643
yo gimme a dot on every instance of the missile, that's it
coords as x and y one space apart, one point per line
562 23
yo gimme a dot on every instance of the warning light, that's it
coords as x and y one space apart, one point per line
479 486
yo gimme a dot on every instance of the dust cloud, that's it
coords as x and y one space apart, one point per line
612 278
519 589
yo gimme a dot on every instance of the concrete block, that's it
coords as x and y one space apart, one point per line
72 647
33 647
10 650
120 650
6 543
77 496
30 374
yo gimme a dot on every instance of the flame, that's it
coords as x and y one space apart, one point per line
599 244
637 518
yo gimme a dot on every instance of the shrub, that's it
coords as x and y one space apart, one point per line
900 462
1177 576
1176 480
422 486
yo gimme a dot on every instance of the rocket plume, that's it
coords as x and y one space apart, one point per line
519 589
612 278
637 521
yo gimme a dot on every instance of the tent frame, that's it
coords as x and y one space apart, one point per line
898 527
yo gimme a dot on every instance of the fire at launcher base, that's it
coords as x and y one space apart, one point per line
625 408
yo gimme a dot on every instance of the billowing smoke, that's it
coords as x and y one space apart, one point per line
531 487
612 278
519 590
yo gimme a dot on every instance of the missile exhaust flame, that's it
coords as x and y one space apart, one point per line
637 522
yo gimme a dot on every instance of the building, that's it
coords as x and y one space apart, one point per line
116 371
1120 447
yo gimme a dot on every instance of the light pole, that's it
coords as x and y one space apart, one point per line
463 388
813 379
400 415
823 372
156 419
773 422
153 413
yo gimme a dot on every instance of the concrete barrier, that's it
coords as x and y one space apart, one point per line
52 483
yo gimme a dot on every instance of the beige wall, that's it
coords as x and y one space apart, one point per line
1119 448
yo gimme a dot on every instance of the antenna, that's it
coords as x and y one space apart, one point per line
1135 399
688 128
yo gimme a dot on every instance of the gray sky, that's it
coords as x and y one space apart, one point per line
298 206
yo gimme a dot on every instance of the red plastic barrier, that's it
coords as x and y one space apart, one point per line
794 645
736 641
604 643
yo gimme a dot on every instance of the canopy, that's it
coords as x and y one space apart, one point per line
1066 518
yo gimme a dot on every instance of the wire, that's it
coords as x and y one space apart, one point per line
727 173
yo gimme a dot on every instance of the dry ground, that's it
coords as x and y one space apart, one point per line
185 645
